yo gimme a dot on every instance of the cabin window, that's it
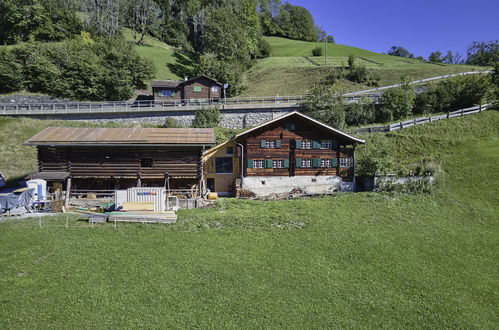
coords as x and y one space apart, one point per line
223 165
215 89
229 151
326 144
325 162
197 89
306 144
146 162
277 163
257 163
270 144
210 182
306 163
345 162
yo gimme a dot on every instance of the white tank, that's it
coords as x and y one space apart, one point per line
40 189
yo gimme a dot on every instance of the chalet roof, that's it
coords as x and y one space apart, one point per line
307 118
78 136
202 76
166 83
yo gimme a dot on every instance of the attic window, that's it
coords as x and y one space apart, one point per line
197 89
146 162
215 89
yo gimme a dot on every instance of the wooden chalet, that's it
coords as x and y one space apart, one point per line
197 89
119 158
291 153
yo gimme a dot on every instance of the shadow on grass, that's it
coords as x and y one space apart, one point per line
183 64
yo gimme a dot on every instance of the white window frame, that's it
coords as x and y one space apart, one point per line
258 163
277 163
269 144
306 144
326 144
215 89
306 163
325 162
345 162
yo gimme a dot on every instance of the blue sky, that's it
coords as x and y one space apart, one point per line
421 26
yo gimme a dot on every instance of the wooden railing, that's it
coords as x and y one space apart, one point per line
420 120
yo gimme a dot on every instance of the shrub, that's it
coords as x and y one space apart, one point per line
207 117
374 161
325 104
351 61
317 51
396 103
360 113
264 48
171 123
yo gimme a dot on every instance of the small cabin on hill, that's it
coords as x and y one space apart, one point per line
120 158
292 153
197 89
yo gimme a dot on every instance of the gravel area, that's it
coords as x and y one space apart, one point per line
24 99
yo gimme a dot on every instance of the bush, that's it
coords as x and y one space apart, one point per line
317 51
171 123
396 103
225 72
264 48
326 105
360 113
351 61
207 118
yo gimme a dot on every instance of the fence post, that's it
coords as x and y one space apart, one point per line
462 112
480 108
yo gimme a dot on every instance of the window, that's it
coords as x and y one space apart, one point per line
223 165
197 89
326 144
325 162
210 182
306 144
146 162
345 162
269 144
257 163
229 150
277 163
306 163
215 89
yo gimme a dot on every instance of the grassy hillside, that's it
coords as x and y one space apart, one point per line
361 260
292 70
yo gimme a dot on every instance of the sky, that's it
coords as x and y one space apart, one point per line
420 26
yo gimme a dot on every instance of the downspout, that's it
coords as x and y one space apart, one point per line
353 165
242 160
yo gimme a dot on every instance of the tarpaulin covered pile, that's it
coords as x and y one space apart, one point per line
17 199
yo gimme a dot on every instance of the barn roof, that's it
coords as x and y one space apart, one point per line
306 118
78 136
166 83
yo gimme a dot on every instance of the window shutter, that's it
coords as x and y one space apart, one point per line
285 163
334 162
263 143
298 144
268 163
298 162
316 145
278 143
334 144
250 163
316 162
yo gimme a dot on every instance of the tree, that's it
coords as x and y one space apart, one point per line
317 51
268 11
225 72
435 57
483 53
104 17
207 117
396 103
11 74
325 104
399 51
351 61
330 39
142 16
296 22
360 113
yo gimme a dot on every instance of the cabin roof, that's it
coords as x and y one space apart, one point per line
302 116
79 136
176 83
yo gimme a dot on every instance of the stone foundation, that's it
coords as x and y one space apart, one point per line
269 185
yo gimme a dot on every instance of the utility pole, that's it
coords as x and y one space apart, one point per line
325 50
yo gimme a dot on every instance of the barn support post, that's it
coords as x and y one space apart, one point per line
354 188
68 193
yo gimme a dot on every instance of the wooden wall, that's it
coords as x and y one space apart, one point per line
302 131
206 93
121 162
177 97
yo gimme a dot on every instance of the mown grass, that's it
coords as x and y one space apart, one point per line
361 260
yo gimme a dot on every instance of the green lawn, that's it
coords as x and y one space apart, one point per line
361 260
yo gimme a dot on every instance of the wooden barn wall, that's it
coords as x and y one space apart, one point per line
121 162
177 97
206 93
303 131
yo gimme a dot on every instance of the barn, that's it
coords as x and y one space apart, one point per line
120 158
292 153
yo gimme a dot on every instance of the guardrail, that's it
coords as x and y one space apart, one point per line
420 120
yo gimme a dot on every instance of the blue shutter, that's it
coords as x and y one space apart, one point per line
268 163
286 163
316 145
278 143
298 162
298 144
250 163
334 144
263 143
334 162
316 162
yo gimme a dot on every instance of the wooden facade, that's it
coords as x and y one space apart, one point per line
124 157
221 167
198 89
289 146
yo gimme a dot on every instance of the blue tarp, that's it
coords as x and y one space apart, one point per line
13 200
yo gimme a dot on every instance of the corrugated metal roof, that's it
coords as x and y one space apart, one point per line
120 136
166 83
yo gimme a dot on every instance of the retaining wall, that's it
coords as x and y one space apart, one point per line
268 185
